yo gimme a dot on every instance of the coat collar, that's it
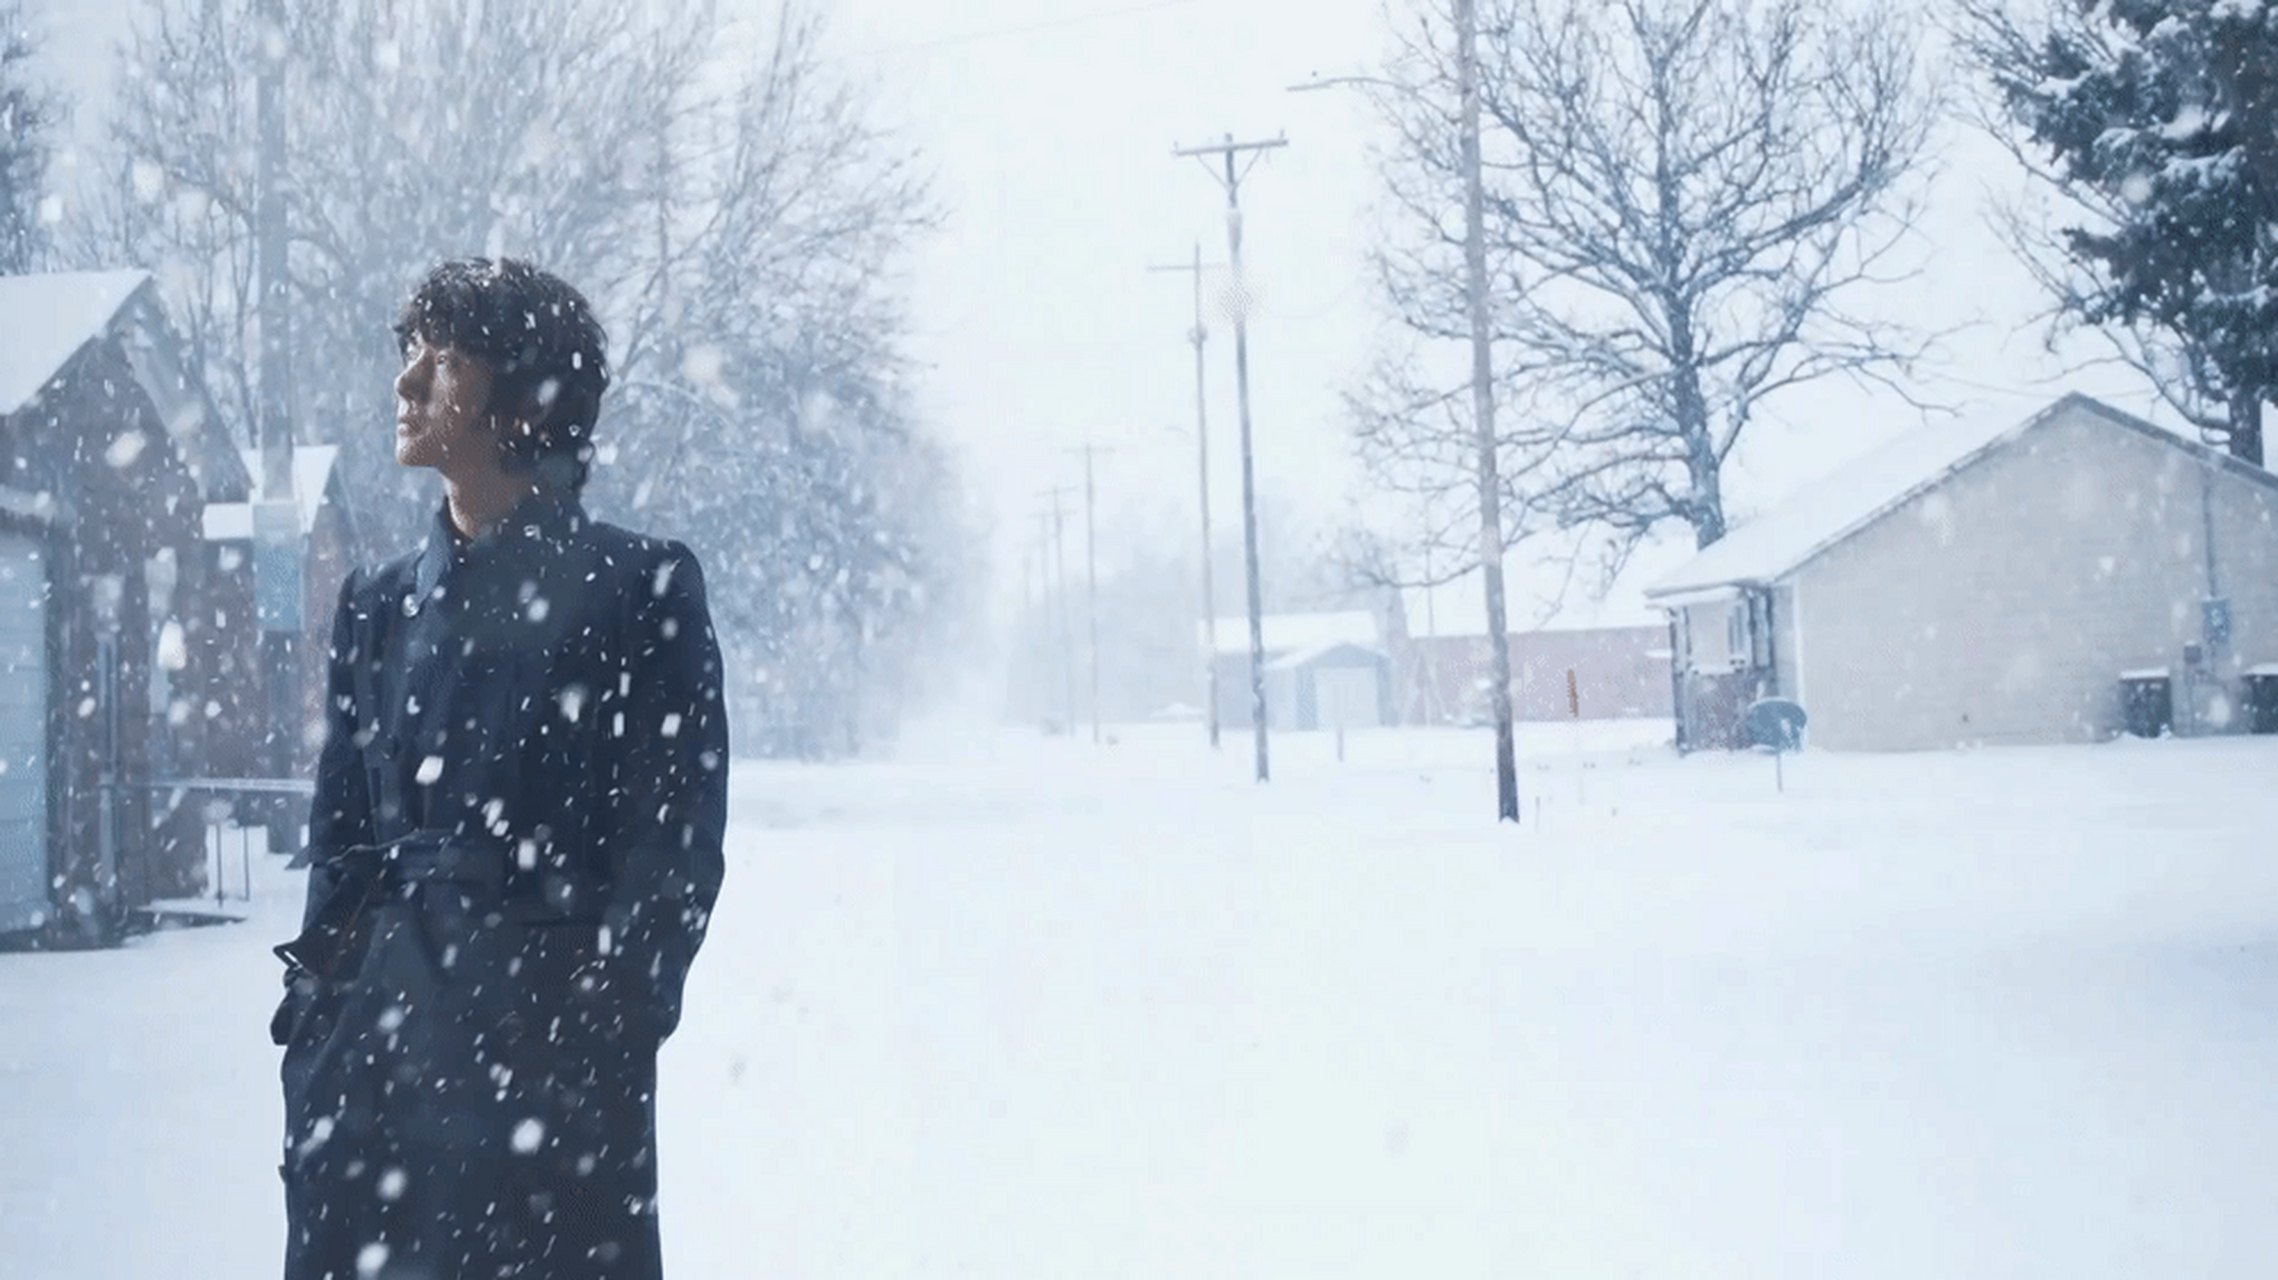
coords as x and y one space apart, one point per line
542 520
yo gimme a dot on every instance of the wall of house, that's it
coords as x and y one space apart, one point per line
1620 672
97 443
2001 606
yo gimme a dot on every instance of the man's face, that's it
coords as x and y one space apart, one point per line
440 420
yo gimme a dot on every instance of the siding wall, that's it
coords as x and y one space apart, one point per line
2001 606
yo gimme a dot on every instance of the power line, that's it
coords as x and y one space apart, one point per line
1057 545
1091 574
1199 336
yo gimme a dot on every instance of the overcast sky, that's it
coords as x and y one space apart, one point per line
1050 125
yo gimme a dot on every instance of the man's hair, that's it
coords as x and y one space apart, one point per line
546 351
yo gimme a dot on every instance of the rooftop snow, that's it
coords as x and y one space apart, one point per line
46 319
1826 511
1296 658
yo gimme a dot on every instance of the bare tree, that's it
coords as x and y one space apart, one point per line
1685 206
29 115
716 187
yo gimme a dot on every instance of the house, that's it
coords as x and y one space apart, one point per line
1588 659
234 747
108 452
1322 671
1990 582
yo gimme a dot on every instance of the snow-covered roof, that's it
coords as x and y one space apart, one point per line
46 319
1296 658
1825 512
1286 631
312 469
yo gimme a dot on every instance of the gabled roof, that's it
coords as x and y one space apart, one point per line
1828 511
46 319
1311 654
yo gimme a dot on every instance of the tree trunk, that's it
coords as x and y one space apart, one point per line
1704 505
2246 427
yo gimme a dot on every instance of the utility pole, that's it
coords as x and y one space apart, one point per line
1059 587
1045 604
1199 336
1230 152
277 531
1482 394
1483 413
1091 574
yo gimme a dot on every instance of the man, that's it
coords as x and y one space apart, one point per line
515 839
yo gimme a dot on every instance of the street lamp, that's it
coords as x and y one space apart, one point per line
1482 399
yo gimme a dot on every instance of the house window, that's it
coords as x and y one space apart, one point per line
1736 634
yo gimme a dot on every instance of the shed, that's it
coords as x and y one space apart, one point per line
1318 667
1329 686
1985 582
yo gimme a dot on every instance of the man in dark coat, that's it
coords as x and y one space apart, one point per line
515 840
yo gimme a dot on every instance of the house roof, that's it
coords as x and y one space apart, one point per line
312 471
1310 654
1287 631
46 319
1856 495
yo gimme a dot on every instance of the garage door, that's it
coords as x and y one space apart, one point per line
1348 697
23 734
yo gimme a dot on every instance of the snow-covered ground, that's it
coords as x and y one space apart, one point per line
1012 1007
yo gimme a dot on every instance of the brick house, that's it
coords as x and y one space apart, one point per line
1617 650
1990 582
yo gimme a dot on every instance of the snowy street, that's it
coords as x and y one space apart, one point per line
1015 1007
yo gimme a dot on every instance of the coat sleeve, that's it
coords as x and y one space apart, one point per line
340 811
668 802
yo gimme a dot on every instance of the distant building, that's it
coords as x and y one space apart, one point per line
234 680
1595 660
109 452
1322 671
1998 582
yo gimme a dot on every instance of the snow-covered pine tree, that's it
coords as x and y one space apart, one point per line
2169 106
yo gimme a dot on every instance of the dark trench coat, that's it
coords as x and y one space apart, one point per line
514 850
